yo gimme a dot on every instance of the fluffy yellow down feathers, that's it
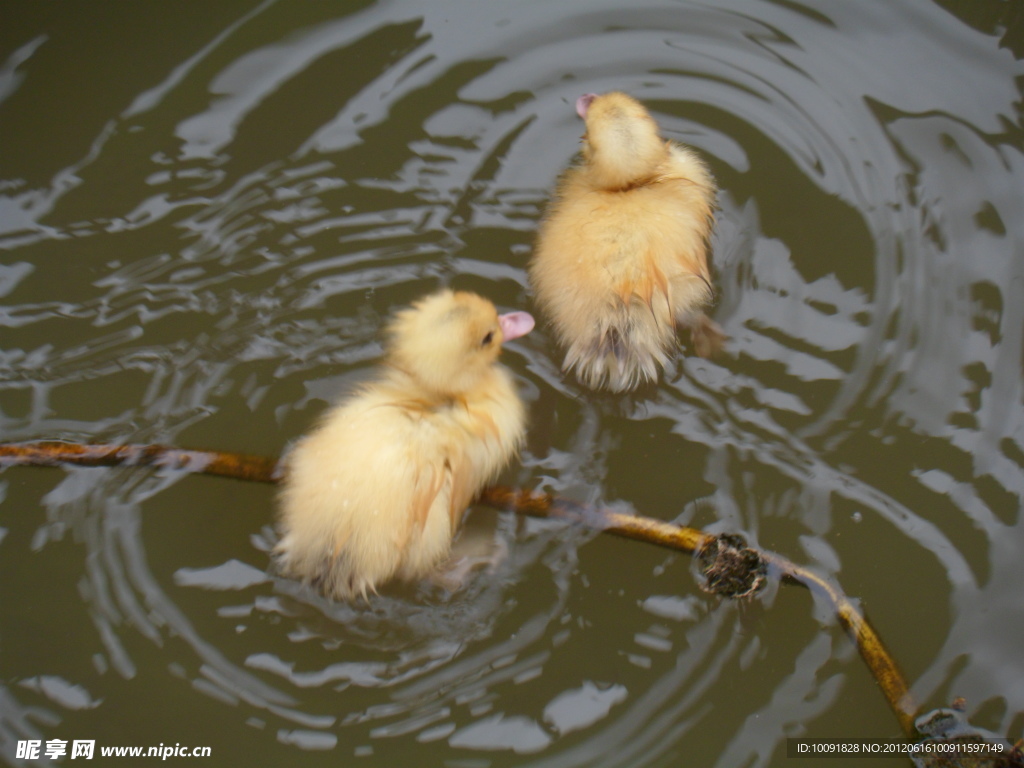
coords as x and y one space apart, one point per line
377 490
621 256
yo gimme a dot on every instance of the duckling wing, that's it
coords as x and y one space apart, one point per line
366 498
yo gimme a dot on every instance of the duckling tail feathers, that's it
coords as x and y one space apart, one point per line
618 357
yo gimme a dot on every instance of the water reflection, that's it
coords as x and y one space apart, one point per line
202 252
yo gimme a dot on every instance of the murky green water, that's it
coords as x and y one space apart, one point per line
206 212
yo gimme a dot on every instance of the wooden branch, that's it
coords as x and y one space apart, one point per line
883 667
267 470
259 469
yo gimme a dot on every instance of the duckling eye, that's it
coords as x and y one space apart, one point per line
487 339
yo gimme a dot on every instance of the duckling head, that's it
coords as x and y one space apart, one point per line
622 146
448 341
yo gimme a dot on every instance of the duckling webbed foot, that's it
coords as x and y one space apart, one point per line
470 554
707 335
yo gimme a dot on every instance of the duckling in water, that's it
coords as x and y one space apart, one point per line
621 256
377 491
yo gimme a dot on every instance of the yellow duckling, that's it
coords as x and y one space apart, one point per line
621 256
377 491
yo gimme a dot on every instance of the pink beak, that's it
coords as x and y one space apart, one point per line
583 104
515 324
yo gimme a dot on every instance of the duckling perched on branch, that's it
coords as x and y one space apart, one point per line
377 491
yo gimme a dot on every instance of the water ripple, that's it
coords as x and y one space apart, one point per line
214 257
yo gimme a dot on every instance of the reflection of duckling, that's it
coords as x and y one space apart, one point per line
376 492
621 255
